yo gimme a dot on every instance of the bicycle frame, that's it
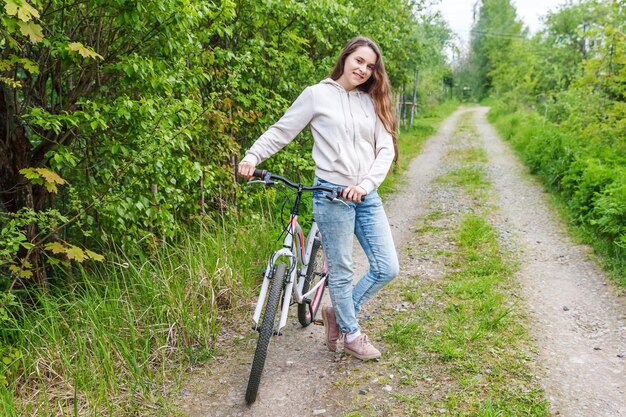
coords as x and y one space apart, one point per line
298 264
290 269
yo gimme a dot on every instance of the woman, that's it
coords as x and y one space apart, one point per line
353 127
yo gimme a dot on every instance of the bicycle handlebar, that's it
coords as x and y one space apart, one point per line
267 177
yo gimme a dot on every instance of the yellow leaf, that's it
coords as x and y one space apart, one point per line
24 271
95 256
50 176
27 12
83 50
51 187
30 66
11 82
75 253
24 11
11 7
32 30
55 247
29 173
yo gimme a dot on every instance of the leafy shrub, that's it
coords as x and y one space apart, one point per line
609 211
589 176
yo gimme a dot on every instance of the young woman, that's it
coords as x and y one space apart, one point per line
353 126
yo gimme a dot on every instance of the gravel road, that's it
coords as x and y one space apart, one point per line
579 319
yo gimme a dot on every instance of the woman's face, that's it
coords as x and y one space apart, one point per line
358 67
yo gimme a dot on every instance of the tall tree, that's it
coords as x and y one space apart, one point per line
495 28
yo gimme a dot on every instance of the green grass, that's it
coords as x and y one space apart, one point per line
412 139
113 341
471 177
468 159
473 338
460 347
474 155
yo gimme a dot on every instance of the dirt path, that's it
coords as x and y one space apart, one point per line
579 322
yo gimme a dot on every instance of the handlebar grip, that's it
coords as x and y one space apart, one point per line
260 173
340 191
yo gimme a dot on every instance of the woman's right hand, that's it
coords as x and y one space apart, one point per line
246 169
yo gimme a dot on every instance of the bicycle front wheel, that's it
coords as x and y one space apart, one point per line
266 332
314 273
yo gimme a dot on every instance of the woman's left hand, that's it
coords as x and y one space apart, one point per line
354 193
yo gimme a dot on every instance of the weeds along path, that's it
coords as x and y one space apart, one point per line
438 357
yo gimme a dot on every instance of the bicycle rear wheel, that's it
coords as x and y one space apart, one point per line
314 273
266 332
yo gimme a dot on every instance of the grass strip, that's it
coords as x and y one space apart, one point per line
455 336
464 349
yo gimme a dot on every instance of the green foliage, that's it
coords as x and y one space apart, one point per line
144 108
589 178
112 339
561 101
493 32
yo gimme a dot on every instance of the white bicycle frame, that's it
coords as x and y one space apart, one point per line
296 272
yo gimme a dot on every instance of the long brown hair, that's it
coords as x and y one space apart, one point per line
377 85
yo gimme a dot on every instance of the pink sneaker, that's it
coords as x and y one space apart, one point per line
331 328
361 348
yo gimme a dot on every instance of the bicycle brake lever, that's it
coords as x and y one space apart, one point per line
341 201
266 182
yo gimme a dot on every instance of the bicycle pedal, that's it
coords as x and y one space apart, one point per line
318 322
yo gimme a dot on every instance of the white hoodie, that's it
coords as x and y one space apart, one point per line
351 145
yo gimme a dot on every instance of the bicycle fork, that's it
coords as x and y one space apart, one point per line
291 277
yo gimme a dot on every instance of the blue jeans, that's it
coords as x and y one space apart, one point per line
338 224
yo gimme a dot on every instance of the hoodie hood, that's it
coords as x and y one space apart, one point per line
343 94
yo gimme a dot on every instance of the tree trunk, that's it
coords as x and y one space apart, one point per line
15 192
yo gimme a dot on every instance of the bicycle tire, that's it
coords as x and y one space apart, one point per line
266 332
314 273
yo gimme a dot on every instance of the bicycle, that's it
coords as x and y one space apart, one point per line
298 270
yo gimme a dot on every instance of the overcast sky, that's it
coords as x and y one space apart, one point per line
458 13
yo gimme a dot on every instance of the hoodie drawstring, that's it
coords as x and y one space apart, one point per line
343 110
340 90
367 116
